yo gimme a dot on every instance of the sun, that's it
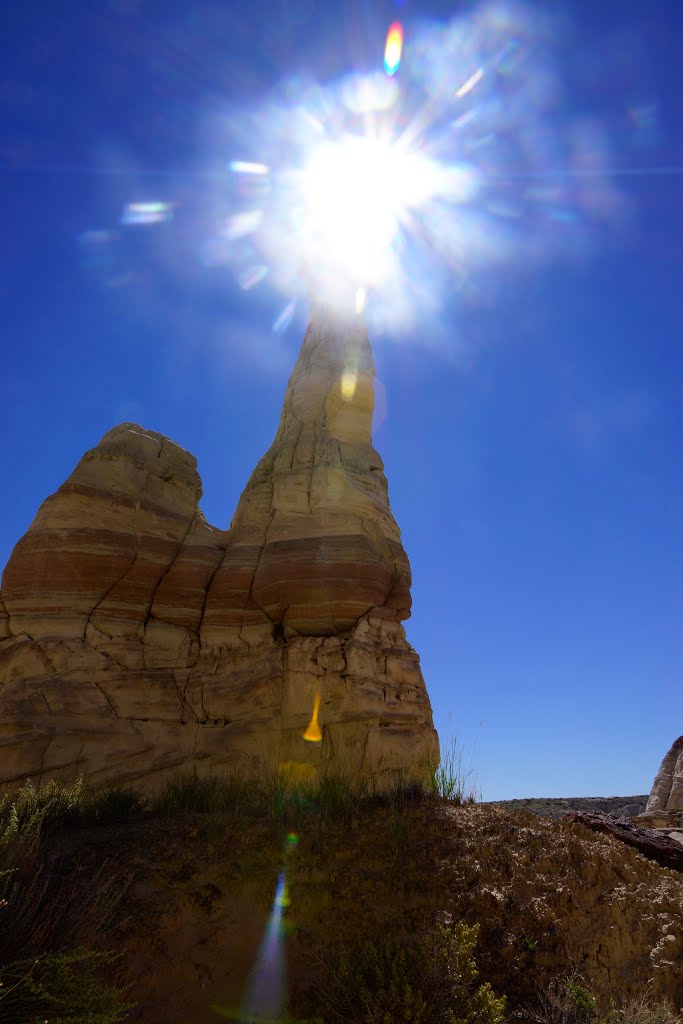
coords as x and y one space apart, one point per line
355 195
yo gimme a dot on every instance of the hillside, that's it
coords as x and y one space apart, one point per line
555 807
551 900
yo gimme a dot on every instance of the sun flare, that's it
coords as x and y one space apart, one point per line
386 192
355 194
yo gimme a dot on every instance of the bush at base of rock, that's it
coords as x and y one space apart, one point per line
433 981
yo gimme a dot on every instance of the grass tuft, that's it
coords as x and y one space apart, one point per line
452 779
45 974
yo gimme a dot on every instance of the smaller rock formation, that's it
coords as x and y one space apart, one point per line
664 810
663 814
667 789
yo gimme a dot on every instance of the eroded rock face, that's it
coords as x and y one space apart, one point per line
135 639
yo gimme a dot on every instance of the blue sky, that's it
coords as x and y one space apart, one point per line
529 409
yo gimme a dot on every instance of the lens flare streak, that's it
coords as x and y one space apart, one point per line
469 85
251 276
393 48
284 319
246 167
146 213
266 990
314 733
267 986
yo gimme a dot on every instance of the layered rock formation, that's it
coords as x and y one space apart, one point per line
136 639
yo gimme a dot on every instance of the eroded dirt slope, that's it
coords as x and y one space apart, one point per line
549 896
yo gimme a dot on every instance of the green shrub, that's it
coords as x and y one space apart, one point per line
568 1001
62 805
643 1009
581 1001
60 987
433 981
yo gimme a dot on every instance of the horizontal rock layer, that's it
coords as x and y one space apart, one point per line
135 639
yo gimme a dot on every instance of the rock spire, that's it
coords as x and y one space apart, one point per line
136 640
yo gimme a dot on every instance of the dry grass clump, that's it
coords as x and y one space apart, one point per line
453 779
335 796
56 805
568 1001
45 973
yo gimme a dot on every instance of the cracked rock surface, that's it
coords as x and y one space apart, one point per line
137 640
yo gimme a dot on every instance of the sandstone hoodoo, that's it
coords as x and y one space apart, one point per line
137 640
665 804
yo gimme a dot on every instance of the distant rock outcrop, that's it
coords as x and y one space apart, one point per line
667 789
664 810
136 639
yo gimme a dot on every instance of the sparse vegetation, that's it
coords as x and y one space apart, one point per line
432 981
62 988
51 964
568 1001
335 797
201 794
54 806
45 974
452 779
643 1009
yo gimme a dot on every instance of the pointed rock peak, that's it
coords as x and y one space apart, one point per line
316 507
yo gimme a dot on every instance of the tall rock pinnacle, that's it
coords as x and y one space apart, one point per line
135 639
314 521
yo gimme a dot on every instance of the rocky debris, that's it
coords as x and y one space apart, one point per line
652 843
136 639
551 897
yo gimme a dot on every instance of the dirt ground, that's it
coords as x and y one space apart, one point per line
212 907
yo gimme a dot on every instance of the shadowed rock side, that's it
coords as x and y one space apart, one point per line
135 639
